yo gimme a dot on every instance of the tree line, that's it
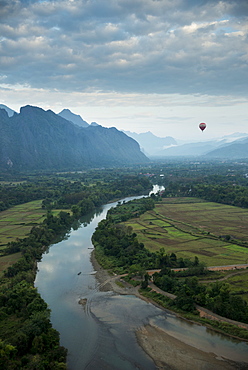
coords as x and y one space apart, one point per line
118 248
216 296
225 183
121 248
28 340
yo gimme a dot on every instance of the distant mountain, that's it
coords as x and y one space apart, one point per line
212 148
235 150
10 112
235 136
36 139
72 117
151 144
190 149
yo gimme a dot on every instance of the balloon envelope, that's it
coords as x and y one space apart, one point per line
202 126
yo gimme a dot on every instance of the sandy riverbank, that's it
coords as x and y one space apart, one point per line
170 353
167 352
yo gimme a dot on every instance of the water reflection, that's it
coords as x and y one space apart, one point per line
202 338
100 335
156 189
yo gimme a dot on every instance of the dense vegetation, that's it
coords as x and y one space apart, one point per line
216 296
27 338
25 324
117 247
62 191
218 182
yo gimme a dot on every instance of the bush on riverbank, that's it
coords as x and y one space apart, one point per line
120 250
168 303
28 339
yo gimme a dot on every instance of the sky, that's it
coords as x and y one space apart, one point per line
139 65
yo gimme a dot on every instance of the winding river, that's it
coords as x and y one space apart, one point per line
101 334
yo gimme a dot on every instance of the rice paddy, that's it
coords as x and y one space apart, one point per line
192 227
17 221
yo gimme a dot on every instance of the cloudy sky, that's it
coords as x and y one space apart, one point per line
139 65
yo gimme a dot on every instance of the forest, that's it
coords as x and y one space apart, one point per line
28 340
221 182
118 248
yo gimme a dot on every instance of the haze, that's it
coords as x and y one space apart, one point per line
139 65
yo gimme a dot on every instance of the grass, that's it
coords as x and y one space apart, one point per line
237 280
239 284
191 227
217 219
6 261
17 221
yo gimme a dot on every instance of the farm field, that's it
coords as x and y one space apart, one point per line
236 279
6 261
192 227
218 219
17 221
239 284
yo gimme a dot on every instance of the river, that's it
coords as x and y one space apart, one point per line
101 334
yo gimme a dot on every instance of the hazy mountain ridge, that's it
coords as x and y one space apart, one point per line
150 143
215 148
9 111
230 146
235 150
72 117
38 139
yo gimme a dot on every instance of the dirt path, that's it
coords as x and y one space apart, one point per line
210 268
108 283
224 278
167 352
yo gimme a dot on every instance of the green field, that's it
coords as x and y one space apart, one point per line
17 221
191 227
6 261
239 284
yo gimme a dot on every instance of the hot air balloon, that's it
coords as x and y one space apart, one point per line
202 126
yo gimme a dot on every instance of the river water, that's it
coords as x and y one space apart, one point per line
101 334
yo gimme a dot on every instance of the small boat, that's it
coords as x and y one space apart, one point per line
80 273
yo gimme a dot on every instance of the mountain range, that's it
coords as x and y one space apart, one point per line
151 144
72 117
10 112
36 139
233 146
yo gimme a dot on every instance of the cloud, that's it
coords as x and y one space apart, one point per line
125 46
160 62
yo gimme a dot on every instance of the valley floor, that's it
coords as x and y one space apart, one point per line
166 351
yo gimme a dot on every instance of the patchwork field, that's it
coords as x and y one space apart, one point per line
190 227
17 221
239 284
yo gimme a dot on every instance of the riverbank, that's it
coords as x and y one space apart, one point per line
166 351
170 353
